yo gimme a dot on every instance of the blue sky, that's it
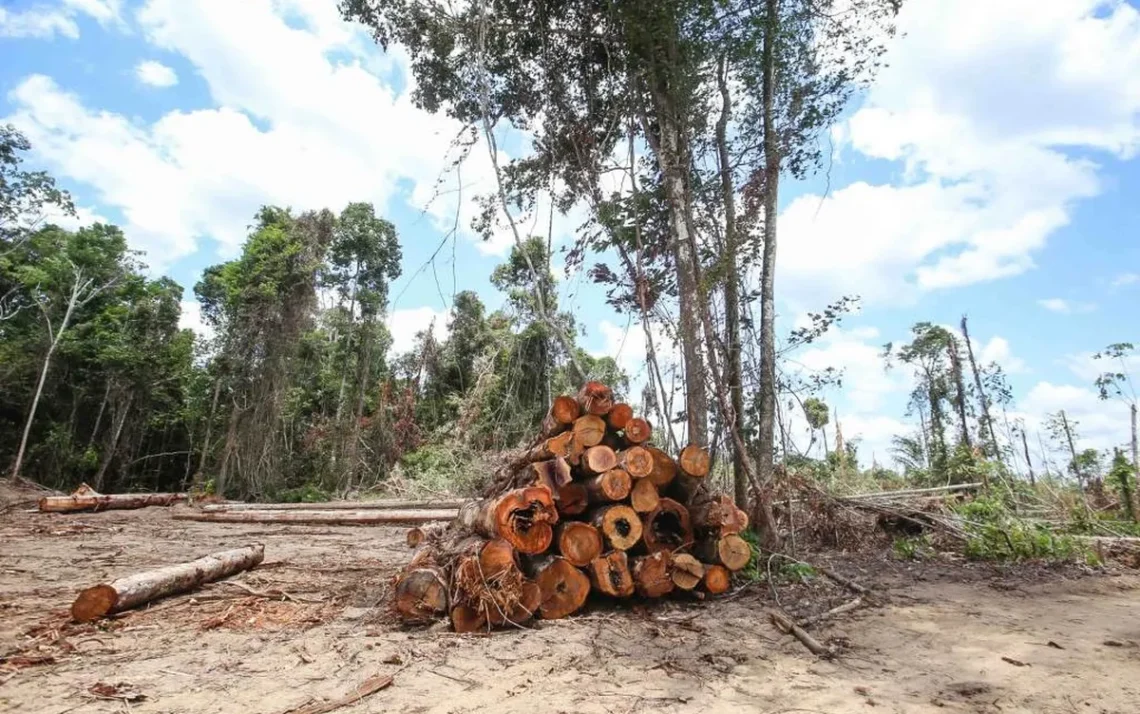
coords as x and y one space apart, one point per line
989 171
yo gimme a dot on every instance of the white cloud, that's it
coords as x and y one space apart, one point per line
987 177
998 350
1098 424
104 11
37 23
1087 368
1125 279
155 74
404 324
191 318
1065 307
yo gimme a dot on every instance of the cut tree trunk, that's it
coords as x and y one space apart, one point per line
687 572
86 498
564 587
667 527
578 542
619 525
589 431
664 468
384 505
718 516
466 619
644 497
563 411
331 518
134 590
596 398
554 447
573 499
529 599
613 485
637 461
419 534
651 577
718 579
619 416
637 431
610 574
694 461
525 517
731 551
497 557
552 474
420 593
599 459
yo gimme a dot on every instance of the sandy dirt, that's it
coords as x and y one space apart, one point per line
948 638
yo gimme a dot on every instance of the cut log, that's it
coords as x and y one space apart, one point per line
613 485
573 499
785 623
419 534
466 619
694 461
381 505
530 597
551 474
609 574
551 448
497 557
651 576
637 461
667 527
524 517
578 542
689 484
664 468
643 497
134 590
563 411
731 551
596 398
637 431
330 518
85 498
589 431
718 516
718 579
599 459
687 572
619 416
619 525
564 587
420 593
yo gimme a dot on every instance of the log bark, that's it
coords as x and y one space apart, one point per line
637 461
419 534
686 572
613 485
637 431
551 474
578 542
141 588
786 625
651 577
609 574
497 557
619 416
87 499
524 517
718 516
596 398
718 579
731 551
563 411
643 497
619 525
667 527
530 597
564 587
573 499
384 505
331 518
554 447
599 459
664 468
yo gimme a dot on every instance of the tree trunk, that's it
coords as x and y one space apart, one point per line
105 462
578 542
331 518
1072 448
613 485
1135 446
87 499
523 517
667 528
1029 461
139 589
637 431
420 593
637 462
588 430
960 388
564 587
227 453
40 384
564 410
643 497
99 415
619 525
983 400
609 574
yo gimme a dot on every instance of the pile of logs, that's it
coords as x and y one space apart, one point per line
591 507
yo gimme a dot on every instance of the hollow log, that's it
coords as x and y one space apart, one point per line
466 619
599 459
718 579
718 516
578 542
613 485
667 527
573 499
524 517
589 431
637 461
664 468
687 572
643 497
596 398
619 416
381 505
563 411
141 588
330 518
564 587
85 498
637 431
731 551
651 577
619 525
609 574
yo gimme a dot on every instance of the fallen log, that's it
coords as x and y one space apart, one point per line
552 474
466 619
596 398
686 571
619 525
613 485
637 431
667 527
619 416
637 461
141 588
86 498
420 592
718 516
382 505
330 518
418 534
651 577
643 497
563 411
718 579
599 459
573 499
578 542
564 587
589 430
731 551
664 468
524 517
786 625
693 467
609 574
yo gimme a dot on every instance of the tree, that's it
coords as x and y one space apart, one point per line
927 353
987 423
818 415
1119 384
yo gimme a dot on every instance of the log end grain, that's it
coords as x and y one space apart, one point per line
420 595
733 551
610 574
637 431
525 517
651 576
717 579
589 430
664 468
619 416
564 589
578 542
694 461
667 527
620 526
599 459
687 572
573 499
465 619
613 485
643 497
565 410
94 603
497 557
596 398
637 461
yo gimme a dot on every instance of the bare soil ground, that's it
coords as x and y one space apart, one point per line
951 637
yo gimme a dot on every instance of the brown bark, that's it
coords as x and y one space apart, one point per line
613 485
598 460
686 572
141 588
552 448
644 497
619 525
383 505
87 499
419 534
529 598
524 517
784 623
596 398
664 468
332 518
573 499
619 416
564 587
578 542
637 461
731 551
651 577
563 411
420 593
589 430
983 400
718 516
552 475
718 579
637 431
609 574
667 527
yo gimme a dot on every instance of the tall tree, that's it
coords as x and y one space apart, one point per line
1118 383
987 425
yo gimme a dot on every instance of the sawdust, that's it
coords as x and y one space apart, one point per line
942 643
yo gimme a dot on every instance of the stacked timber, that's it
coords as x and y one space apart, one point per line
593 506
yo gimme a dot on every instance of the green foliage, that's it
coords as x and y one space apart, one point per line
995 533
913 548
441 468
1122 479
307 493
